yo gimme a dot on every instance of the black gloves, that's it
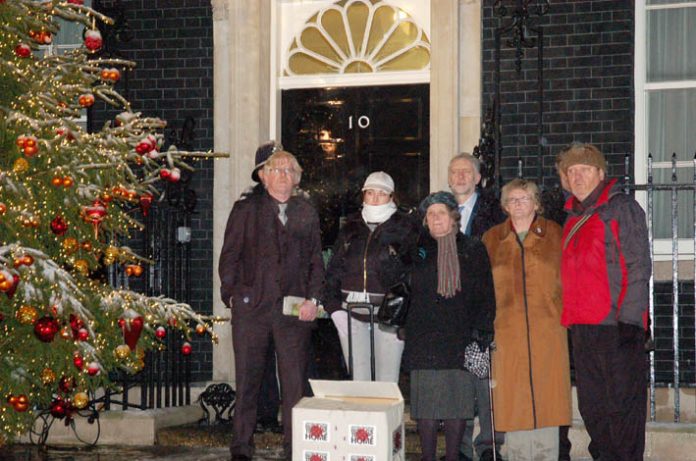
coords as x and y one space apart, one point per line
630 334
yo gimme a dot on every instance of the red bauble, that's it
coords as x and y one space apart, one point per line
93 368
146 202
46 328
21 403
11 291
78 361
165 173
131 327
186 348
110 75
160 333
59 408
93 40
59 226
82 334
86 100
23 50
75 324
174 175
94 214
66 384
147 144
77 2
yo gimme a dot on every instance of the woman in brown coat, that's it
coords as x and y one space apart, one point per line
530 364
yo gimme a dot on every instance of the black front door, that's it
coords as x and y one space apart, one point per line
340 135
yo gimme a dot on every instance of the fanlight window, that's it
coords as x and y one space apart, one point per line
358 36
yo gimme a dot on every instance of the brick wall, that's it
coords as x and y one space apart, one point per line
587 84
172 46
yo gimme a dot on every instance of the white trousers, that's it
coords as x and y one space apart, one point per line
388 348
535 445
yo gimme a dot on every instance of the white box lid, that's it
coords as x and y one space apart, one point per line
355 389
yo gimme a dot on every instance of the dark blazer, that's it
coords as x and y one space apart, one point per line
486 214
262 261
439 329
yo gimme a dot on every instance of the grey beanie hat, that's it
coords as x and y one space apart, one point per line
446 198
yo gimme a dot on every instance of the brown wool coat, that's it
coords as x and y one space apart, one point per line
530 364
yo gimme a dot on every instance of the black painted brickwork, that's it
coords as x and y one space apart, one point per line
664 330
588 84
172 46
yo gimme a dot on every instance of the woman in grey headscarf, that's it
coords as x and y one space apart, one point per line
452 305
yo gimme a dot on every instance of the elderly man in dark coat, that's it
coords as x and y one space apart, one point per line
271 252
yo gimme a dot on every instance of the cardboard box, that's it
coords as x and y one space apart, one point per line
349 421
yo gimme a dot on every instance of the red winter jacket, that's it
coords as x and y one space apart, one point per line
605 265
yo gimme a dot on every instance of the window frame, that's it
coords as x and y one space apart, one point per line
663 246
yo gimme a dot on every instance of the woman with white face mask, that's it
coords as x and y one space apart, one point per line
373 251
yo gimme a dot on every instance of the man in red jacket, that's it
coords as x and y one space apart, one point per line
271 253
605 270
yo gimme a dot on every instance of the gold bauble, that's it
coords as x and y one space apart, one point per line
140 353
200 329
122 351
27 315
70 244
20 165
65 333
138 365
111 251
80 400
82 266
48 376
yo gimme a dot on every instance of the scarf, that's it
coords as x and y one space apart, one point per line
448 271
377 214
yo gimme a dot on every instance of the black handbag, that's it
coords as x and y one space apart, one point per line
394 308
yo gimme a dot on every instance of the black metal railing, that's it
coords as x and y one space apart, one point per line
166 240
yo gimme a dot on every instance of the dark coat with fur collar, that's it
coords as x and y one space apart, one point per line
439 329
370 260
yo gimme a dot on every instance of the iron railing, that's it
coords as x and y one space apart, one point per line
166 239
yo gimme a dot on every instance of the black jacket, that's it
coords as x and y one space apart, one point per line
439 329
486 213
370 260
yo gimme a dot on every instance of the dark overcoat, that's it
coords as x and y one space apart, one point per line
438 329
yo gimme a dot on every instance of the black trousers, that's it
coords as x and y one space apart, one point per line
612 391
269 396
251 338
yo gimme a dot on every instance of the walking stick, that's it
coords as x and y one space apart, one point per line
491 348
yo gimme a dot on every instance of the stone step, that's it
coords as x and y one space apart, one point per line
664 441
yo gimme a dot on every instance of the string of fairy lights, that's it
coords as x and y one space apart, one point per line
67 198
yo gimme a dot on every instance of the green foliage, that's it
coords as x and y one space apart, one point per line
64 207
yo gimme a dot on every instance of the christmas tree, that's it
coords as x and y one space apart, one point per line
68 201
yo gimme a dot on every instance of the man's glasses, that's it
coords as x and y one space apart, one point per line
285 171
